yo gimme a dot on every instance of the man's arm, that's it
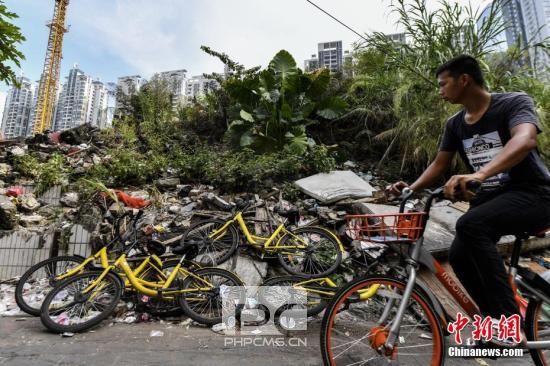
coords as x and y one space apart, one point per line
523 140
434 171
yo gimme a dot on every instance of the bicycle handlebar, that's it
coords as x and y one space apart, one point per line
407 193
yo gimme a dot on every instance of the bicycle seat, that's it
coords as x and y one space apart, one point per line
188 248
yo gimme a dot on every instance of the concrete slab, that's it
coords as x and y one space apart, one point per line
335 186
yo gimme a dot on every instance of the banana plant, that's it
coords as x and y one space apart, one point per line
275 105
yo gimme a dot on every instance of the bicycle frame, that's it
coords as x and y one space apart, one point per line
364 294
145 287
420 256
104 261
264 243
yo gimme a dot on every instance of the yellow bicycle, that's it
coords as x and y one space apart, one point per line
86 299
318 291
307 251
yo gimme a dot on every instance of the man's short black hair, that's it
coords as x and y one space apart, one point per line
463 64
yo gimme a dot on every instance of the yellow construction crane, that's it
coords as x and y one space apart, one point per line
49 81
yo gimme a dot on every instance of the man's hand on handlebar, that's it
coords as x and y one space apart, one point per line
456 187
397 187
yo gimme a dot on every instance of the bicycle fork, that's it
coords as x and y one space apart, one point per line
393 334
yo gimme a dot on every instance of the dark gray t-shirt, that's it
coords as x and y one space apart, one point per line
479 143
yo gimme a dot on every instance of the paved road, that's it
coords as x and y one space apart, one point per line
25 342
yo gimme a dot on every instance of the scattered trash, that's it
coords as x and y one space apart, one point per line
67 335
156 333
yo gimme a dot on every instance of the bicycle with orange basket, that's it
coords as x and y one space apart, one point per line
403 322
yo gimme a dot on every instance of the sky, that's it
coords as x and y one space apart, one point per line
113 38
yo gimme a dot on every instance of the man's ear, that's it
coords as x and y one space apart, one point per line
465 79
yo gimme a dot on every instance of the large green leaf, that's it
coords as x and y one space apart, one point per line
247 139
246 116
286 112
332 108
283 63
320 80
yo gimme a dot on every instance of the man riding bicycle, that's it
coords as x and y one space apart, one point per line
495 135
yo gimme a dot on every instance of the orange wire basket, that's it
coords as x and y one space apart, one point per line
401 227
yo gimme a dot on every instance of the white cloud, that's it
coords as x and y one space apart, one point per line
151 36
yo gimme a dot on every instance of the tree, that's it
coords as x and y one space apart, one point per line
433 37
278 103
10 38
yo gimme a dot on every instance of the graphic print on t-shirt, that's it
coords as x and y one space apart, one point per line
480 150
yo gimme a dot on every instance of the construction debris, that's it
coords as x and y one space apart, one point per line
335 186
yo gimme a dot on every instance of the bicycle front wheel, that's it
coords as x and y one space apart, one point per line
38 280
68 309
203 302
537 328
357 321
309 251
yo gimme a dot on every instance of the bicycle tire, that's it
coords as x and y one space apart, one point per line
199 232
190 303
534 323
315 303
33 307
312 261
56 325
347 306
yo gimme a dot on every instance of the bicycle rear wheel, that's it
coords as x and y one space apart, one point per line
537 328
68 309
313 252
354 330
38 280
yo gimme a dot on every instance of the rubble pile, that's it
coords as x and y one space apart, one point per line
324 201
175 202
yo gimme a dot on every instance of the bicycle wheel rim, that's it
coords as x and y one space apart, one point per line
538 329
206 306
217 250
38 281
338 339
66 308
316 253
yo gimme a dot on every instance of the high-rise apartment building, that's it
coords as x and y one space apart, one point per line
130 85
536 20
74 104
330 55
311 64
513 18
97 104
499 42
110 105
176 82
197 86
17 110
399 38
